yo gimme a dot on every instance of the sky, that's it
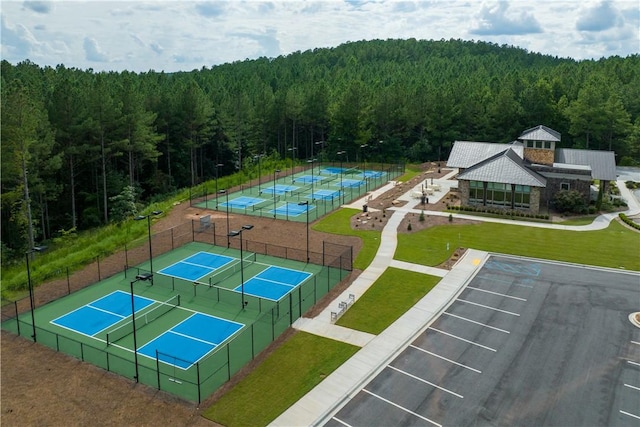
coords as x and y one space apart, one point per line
180 35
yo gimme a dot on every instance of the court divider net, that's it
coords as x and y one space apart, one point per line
143 319
230 270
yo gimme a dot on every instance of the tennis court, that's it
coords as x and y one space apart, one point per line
189 341
308 179
101 314
196 266
242 202
274 282
350 183
291 209
279 189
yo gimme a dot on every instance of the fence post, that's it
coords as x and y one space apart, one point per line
198 377
68 282
15 305
98 261
158 368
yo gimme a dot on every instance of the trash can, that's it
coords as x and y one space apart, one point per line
365 208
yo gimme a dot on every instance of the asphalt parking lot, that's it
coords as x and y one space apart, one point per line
527 342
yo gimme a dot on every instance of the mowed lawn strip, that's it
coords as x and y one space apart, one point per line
387 299
614 247
285 376
339 222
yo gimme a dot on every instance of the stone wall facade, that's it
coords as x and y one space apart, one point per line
539 155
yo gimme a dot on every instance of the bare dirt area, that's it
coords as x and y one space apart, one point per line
42 387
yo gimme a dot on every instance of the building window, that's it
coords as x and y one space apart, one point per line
521 196
565 186
498 194
476 191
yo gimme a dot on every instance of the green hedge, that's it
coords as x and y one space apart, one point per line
628 221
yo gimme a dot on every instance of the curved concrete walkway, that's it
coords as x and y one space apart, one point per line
320 402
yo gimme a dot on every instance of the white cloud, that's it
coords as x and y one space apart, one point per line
493 20
93 52
599 18
38 6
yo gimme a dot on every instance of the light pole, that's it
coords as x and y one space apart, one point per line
239 233
312 180
364 169
225 192
148 217
218 166
341 154
32 300
274 191
293 151
259 156
139 277
306 203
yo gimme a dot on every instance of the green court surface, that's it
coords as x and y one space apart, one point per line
303 196
221 334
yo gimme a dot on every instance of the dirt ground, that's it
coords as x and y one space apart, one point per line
42 387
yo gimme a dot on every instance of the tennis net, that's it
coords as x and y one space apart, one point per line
143 319
232 269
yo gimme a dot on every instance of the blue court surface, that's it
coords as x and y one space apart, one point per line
274 282
308 179
279 189
196 266
324 194
190 340
102 313
333 170
372 174
350 183
242 202
291 209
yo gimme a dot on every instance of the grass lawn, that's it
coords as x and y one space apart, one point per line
615 246
284 377
387 299
339 222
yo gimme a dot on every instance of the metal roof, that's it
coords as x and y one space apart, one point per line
507 168
602 163
540 133
465 154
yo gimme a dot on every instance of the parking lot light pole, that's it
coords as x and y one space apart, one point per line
32 300
234 233
139 277
306 203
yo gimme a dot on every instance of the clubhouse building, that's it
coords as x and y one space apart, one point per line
526 174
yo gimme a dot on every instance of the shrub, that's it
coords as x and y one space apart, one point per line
628 221
569 201
421 216
409 227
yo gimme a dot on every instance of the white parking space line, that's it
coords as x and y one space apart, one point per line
462 339
524 286
635 342
342 422
425 381
402 408
444 358
632 386
633 363
495 293
490 308
630 414
477 323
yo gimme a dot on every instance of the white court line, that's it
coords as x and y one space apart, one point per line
342 422
462 339
633 363
632 386
495 293
112 312
477 323
402 408
191 337
444 358
630 414
635 342
425 381
490 308
524 286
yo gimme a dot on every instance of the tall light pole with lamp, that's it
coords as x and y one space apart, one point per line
148 217
293 153
341 154
234 233
259 157
226 193
312 179
218 166
306 203
32 300
139 277
275 172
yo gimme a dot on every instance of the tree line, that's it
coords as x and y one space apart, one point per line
75 141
